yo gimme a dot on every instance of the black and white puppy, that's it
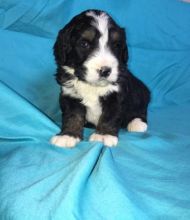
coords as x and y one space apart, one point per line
96 86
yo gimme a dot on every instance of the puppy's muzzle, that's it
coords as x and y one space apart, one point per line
105 71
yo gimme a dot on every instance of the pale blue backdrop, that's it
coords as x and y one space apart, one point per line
148 175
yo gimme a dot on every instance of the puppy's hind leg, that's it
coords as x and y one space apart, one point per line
137 125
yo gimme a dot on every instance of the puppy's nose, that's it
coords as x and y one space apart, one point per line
105 71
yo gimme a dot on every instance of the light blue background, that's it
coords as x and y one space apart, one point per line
148 175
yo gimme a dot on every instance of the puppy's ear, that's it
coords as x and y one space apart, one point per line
62 45
124 53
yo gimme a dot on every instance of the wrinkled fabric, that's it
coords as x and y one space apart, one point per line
147 176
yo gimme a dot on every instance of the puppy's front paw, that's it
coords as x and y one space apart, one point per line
64 141
137 125
108 140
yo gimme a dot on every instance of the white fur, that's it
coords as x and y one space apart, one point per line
102 56
64 141
89 95
137 125
69 69
108 140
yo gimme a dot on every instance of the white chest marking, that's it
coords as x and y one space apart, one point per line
89 95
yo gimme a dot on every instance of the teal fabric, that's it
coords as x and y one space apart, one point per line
148 175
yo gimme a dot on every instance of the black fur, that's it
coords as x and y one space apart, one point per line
118 108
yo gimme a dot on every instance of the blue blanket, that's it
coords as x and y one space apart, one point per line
148 175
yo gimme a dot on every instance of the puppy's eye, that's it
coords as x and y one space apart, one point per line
84 44
117 45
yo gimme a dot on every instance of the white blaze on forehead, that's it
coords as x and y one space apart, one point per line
101 23
102 55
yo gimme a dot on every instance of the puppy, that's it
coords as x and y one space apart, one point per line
96 86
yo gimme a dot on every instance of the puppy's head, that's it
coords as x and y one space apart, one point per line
92 47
